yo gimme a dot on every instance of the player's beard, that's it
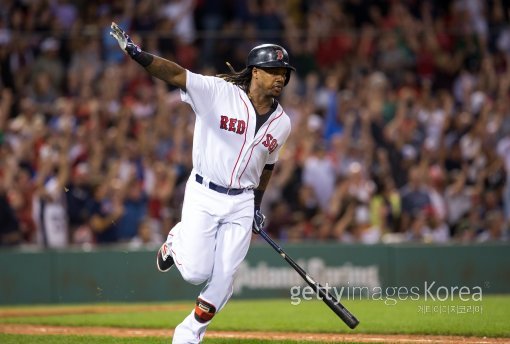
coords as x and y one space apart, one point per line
276 90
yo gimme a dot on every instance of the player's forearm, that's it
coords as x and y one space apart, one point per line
167 71
264 181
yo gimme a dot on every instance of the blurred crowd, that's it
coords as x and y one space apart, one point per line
400 113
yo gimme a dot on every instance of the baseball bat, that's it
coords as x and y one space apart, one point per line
335 305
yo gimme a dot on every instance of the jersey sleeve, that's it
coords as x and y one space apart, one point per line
273 157
202 91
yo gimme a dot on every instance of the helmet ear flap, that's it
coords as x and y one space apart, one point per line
287 76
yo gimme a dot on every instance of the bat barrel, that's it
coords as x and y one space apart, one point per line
349 319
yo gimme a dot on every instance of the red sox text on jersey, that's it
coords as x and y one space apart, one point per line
238 126
232 124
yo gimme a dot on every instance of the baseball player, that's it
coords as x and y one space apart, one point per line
240 128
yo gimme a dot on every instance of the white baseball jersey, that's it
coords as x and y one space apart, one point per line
52 228
226 149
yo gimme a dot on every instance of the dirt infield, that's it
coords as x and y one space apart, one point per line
328 337
133 332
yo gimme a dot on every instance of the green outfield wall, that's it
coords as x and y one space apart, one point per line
123 275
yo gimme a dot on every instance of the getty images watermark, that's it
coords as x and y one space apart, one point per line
468 299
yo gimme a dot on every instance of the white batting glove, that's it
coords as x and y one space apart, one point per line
119 35
129 47
125 42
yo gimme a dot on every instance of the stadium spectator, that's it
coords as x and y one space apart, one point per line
10 234
49 206
319 174
415 199
105 211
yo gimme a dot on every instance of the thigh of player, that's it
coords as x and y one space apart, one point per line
194 243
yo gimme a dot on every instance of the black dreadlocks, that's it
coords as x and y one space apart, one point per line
241 79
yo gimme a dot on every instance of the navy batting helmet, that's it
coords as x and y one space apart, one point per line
270 56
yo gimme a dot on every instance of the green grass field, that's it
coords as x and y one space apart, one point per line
486 318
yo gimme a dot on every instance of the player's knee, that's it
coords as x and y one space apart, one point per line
204 311
194 277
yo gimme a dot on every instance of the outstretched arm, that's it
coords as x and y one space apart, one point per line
168 71
157 66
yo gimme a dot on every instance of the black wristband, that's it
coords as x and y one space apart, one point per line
143 58
258 197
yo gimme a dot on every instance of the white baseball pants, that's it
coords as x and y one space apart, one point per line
208 245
